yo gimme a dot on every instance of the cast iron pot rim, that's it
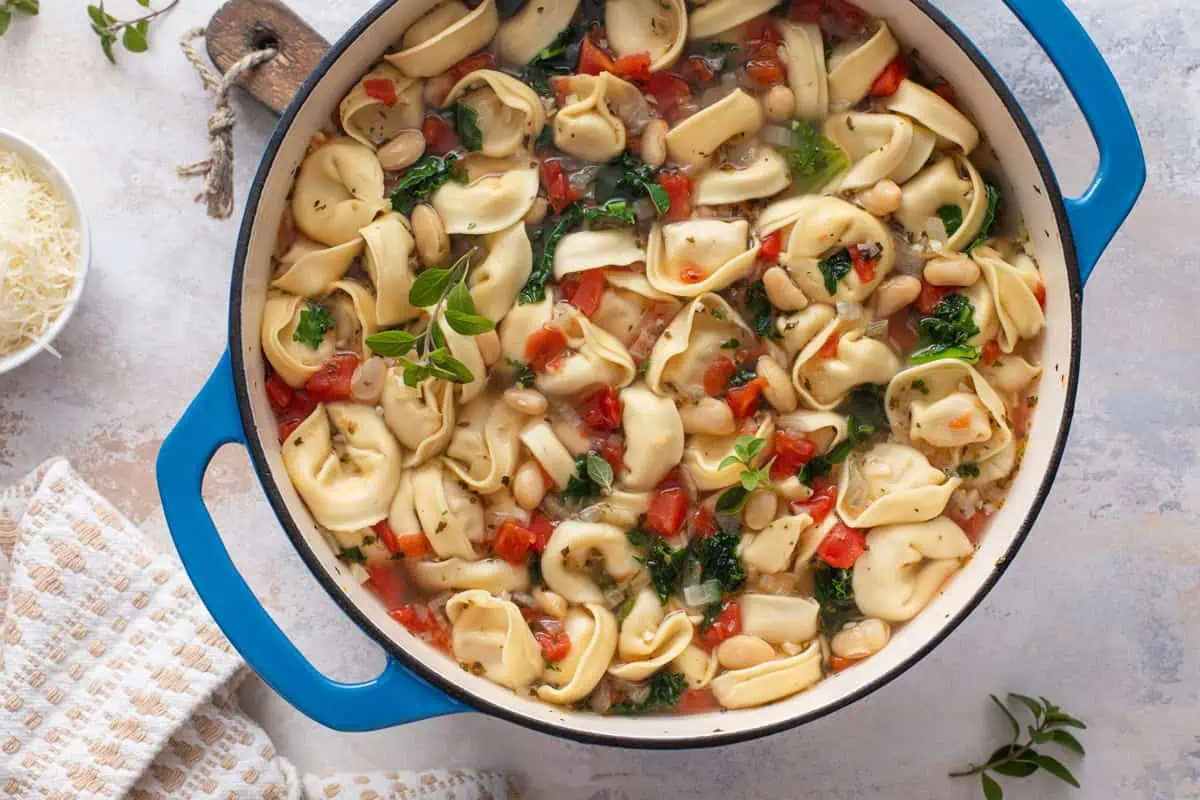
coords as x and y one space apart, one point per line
266 476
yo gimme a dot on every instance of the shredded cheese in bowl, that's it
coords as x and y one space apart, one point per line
40 247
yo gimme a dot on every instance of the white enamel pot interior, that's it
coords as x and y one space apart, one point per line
1027 181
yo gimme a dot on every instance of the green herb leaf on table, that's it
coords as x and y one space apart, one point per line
665 690
466 125
813 159
424 178
391 344
945 333
834 268
314 323
951 217
133 34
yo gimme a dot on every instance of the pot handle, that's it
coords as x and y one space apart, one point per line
395 697
1096 216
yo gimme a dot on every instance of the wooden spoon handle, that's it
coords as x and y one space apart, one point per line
241 27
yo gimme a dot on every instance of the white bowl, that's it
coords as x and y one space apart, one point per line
11 142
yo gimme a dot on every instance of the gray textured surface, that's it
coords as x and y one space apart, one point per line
1100 611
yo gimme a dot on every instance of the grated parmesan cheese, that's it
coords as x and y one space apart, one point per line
39 253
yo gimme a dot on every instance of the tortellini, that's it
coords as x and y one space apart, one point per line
773 549
584 250
492 633
880 146
451 515
856 63
1013 286
371 120
718 16
804 53
292 360
533 28
690 343
567 552
593 632
931 110
490 203
494 575
779 618
484 448
553 456
767 175
352 307
389 246
507 111
816 230
951 181
906 565
495 283
770 681
653 436
695 140
687 259
891 484
350 484
310 269
595 357
589 125
649 638
656 27
448 33
338 191
823 380
422 417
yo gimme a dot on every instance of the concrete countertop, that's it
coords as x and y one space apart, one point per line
1099 613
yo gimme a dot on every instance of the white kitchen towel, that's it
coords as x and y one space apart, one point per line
115 681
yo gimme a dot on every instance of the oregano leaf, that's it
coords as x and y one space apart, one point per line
991 789
1055 768
600 471
428 288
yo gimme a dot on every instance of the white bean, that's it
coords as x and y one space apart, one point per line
780 392
743 650
528 487
952 271
654 143
433 243
572 438
552 603
895 293
527 401
881 199
779 103
537 211
760 509
861 639
489 346
782 291
710 416
401 151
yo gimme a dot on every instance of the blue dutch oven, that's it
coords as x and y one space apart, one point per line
418 682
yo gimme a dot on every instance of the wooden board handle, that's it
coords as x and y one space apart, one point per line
243 26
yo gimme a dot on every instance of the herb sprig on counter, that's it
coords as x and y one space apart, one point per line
133 34
1020 759
7 7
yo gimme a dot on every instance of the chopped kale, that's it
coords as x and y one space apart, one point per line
718 559
666 567
834 268
951 217
946 332
545 241
665 690
968 470
423 178
466 125
762 314
834 591
989 217
813 159
352 554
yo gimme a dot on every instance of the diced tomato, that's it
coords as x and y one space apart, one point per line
772 246
593 60
612 450
584 290
743 400
765 72
279 393
717 376
697 701
818 505
864 264
690 273
558 187
697 70
668 508
555 646
971 525
901 331
513 542
791 453
561 85
930 296
543 346
830 348
747 356
542 528
419 619
601 410
762 29
728 623
889 80
991 351
672 480
945 90
484 60
679 190
704 522
412 545
805 10
1040 294
634 67
844 18
842 546
837 663
440 138
332 381
386 535
667 90
287 427
380 89
387 581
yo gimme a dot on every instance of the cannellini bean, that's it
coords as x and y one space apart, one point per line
710 416
436 89
489 347
528 487
433 243
895 293
782 291
743 650
779 103
881 199
526 401
780 392
401 151
537 211
952 271
654 143
552 603
368 379
760 509
572 438
861 639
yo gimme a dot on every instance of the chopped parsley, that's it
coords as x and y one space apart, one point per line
834 268
813 159
665 565
665 690
523 374
466 125
423 178
314 323
951 217
945 333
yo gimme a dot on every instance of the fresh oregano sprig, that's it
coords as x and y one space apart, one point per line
745 450
1019 759
7 7
132 33
445 290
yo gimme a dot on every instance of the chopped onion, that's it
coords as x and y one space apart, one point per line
437 605
614 596
638 692
703 594
691 577
367 383
776 135
601 697
856 485
878 329
711 95
909 260
523 599
935 229
850 311
550 624
635 114
554 509
739 152
582 178
593 513
644 210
